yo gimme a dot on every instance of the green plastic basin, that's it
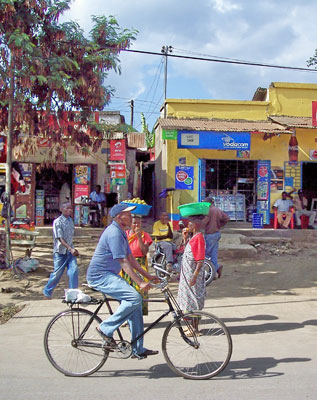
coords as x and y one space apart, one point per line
201 208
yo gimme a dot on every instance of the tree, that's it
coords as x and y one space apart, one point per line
49 68
149 136
50 75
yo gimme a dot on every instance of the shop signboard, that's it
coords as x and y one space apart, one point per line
184 177
118 171
82 174
117 150
213 140
81 192
118 174
169 134
313 154
43 142
263 189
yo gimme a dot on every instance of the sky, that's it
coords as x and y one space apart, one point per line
279 32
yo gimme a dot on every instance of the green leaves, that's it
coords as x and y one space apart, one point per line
56 68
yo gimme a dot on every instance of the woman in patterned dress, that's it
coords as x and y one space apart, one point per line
192 288
139 242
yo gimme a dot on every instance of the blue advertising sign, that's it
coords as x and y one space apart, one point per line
263 190
184 178
213 140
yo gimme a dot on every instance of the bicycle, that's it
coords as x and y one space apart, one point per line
74 347
159 259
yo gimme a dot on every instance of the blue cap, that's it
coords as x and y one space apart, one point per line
118 208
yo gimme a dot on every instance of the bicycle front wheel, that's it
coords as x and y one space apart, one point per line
72 343
200 355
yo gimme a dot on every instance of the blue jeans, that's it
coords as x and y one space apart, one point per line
130 308
62 261
212 245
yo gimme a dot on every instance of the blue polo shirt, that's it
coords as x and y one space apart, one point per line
113 244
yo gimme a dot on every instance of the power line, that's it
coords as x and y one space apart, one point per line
226 61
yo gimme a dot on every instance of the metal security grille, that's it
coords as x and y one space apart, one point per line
232 176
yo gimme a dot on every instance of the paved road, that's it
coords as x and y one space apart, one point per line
274 357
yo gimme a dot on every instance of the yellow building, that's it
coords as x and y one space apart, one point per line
244 153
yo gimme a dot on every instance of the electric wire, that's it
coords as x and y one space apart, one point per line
226 61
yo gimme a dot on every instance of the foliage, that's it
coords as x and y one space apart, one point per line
312 60
58 73
149 136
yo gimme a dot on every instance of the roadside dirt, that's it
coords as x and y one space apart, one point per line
276 270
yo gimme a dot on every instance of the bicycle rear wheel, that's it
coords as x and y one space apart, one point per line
210 272
200 356
67 351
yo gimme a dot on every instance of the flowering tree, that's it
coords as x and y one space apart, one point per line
52 79
51 74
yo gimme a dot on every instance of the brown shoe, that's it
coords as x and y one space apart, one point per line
109 341
219 271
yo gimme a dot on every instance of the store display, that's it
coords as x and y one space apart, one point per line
39 207
232 205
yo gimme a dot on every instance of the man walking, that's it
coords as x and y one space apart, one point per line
215 219
64 251
111 255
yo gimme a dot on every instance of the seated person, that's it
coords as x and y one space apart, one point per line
98 202
163 233
283 206
300 203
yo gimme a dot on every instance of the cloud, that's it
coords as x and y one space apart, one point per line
282 33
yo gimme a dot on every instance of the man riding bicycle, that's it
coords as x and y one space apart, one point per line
111 255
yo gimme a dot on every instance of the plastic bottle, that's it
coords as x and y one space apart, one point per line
293 149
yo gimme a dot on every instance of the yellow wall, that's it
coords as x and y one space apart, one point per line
292 99
222 109
289 99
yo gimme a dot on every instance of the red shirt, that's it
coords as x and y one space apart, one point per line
197 244
134 242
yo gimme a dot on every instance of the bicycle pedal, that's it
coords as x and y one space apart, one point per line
138 357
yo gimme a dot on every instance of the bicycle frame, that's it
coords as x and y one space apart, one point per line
172 308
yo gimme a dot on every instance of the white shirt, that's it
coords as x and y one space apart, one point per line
283 205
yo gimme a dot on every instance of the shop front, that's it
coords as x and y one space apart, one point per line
236 168
243 153
47 187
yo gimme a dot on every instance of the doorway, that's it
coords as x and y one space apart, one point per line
309 180
232 177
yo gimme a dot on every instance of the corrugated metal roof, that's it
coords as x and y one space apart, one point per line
221 125
293 122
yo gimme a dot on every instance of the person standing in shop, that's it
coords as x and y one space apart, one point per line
64 252
300 203
215 219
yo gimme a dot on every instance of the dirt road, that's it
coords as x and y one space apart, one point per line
292 272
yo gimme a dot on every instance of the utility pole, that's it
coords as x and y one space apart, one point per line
165 50
132 112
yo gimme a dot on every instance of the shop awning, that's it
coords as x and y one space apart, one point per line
293 122
222 125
